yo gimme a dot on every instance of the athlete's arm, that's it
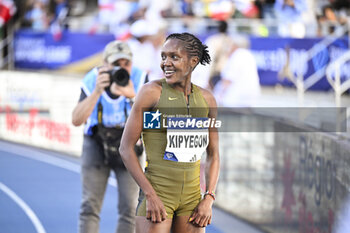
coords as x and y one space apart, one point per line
201 216
213 159
146 98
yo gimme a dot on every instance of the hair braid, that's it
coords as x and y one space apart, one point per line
193 46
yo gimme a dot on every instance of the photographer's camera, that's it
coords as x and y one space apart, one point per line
118 75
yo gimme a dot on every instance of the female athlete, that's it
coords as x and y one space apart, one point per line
170 197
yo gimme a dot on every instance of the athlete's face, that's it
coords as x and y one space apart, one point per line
176 64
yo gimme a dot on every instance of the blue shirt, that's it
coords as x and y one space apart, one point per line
113 109
290 14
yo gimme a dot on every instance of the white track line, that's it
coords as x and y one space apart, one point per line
36 222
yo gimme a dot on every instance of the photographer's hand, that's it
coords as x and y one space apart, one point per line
127 91
85 107
103 80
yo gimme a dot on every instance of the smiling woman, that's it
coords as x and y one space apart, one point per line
170 197
181 59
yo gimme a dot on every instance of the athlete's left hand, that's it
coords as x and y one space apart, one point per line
201 215
127 91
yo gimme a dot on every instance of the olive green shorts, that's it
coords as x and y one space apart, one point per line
178 187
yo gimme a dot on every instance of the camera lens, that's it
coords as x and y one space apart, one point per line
120 76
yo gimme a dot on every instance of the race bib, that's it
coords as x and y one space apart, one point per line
187 143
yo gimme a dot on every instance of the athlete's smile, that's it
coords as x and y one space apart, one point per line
168 73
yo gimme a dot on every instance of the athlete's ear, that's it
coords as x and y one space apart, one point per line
194 61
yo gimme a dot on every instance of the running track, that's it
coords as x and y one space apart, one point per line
40 193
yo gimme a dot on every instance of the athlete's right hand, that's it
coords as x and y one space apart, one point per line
155 210
102 80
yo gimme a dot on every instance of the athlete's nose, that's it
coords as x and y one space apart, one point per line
166 62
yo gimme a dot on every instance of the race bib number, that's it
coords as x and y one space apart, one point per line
186 144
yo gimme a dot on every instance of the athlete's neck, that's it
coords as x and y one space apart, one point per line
185 86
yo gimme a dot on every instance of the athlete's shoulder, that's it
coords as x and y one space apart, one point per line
150 92
154 85
208 96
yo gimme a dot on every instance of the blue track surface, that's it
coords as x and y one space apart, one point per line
36 184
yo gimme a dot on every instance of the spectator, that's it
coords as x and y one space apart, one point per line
7 10
342 8
104 106
328 18
289 15
187 8
268 15
105 14
155 10
332 14
221 9
266 8
247 8
59 18
141 45
219 45
36 16
114 17
219 49
60 11
157 43
239 85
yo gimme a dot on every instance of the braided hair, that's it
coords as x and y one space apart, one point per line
193 46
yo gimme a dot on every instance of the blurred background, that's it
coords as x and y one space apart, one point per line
280 72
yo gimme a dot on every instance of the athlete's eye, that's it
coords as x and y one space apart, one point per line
175 57
163 57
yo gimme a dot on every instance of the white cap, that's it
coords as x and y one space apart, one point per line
142 28
116 50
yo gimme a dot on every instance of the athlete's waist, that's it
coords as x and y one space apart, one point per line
166 163
173 174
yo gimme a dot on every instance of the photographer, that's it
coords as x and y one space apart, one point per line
105 102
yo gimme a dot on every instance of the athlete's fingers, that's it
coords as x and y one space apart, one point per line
198 219
193 216
148 215
209 220
198 215
164 214
159 216
206 222
153 218
203 222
